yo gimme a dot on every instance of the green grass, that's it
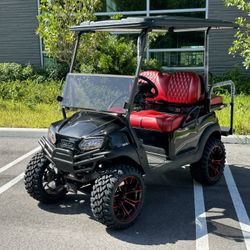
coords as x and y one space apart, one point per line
17 114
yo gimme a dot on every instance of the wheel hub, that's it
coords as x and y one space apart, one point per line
127 198
216 161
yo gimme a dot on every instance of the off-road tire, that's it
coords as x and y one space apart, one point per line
33 180
103 193
200 170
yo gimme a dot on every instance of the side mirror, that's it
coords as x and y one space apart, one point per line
59 98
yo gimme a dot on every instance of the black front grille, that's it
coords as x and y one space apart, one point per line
67 144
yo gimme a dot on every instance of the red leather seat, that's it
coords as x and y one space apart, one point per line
179 88
154 120
182 88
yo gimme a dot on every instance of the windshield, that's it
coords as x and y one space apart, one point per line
97 92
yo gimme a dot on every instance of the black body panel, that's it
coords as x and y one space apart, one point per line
176 143
85 123
119 142
148 150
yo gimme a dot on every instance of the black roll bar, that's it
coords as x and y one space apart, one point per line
141 45
232 90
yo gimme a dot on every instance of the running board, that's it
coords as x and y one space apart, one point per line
156 160
160 162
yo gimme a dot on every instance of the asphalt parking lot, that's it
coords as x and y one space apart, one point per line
178 213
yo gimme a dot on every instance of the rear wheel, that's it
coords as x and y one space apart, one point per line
42 180
210 168
117 196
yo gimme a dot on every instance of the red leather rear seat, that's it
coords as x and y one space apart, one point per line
179 88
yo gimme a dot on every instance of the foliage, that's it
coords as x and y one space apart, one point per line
98 52
54 21
14 71
111 54
54 69
241 45
30 92
240 80
151 64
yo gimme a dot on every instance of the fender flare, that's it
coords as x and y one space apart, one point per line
213 130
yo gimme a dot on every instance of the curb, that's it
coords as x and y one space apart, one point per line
236 139
23 129
22 132
232 139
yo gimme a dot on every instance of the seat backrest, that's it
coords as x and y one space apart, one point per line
182 88
178 88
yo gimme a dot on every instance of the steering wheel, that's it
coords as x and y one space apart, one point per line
148 89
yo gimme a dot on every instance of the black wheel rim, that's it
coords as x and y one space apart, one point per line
52 182
216 162
127 198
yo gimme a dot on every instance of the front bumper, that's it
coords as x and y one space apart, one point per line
67 161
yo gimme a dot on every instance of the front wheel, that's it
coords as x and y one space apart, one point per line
209 169
117 196
42 180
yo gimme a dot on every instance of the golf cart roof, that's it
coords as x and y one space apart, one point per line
159 23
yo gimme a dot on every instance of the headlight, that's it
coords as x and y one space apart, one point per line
91 144
51 136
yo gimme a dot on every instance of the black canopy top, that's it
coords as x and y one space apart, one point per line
164 23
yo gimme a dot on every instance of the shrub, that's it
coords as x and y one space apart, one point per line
14 71
240 80
10 71
54 70
31 92
17 72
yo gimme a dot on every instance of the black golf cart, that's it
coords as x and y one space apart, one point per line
129 126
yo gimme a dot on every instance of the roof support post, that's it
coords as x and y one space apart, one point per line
75 52
206 67
206 58
141 45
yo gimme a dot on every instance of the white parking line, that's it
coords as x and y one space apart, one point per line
200 218
13 163
11 183
238 205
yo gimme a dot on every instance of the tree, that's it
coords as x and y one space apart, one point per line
56 16
98 52
241 44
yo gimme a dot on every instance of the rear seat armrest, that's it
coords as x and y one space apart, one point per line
222 84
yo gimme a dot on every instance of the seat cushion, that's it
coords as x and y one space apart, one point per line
216 100
154 120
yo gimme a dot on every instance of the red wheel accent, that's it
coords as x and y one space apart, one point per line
127 198
216 161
